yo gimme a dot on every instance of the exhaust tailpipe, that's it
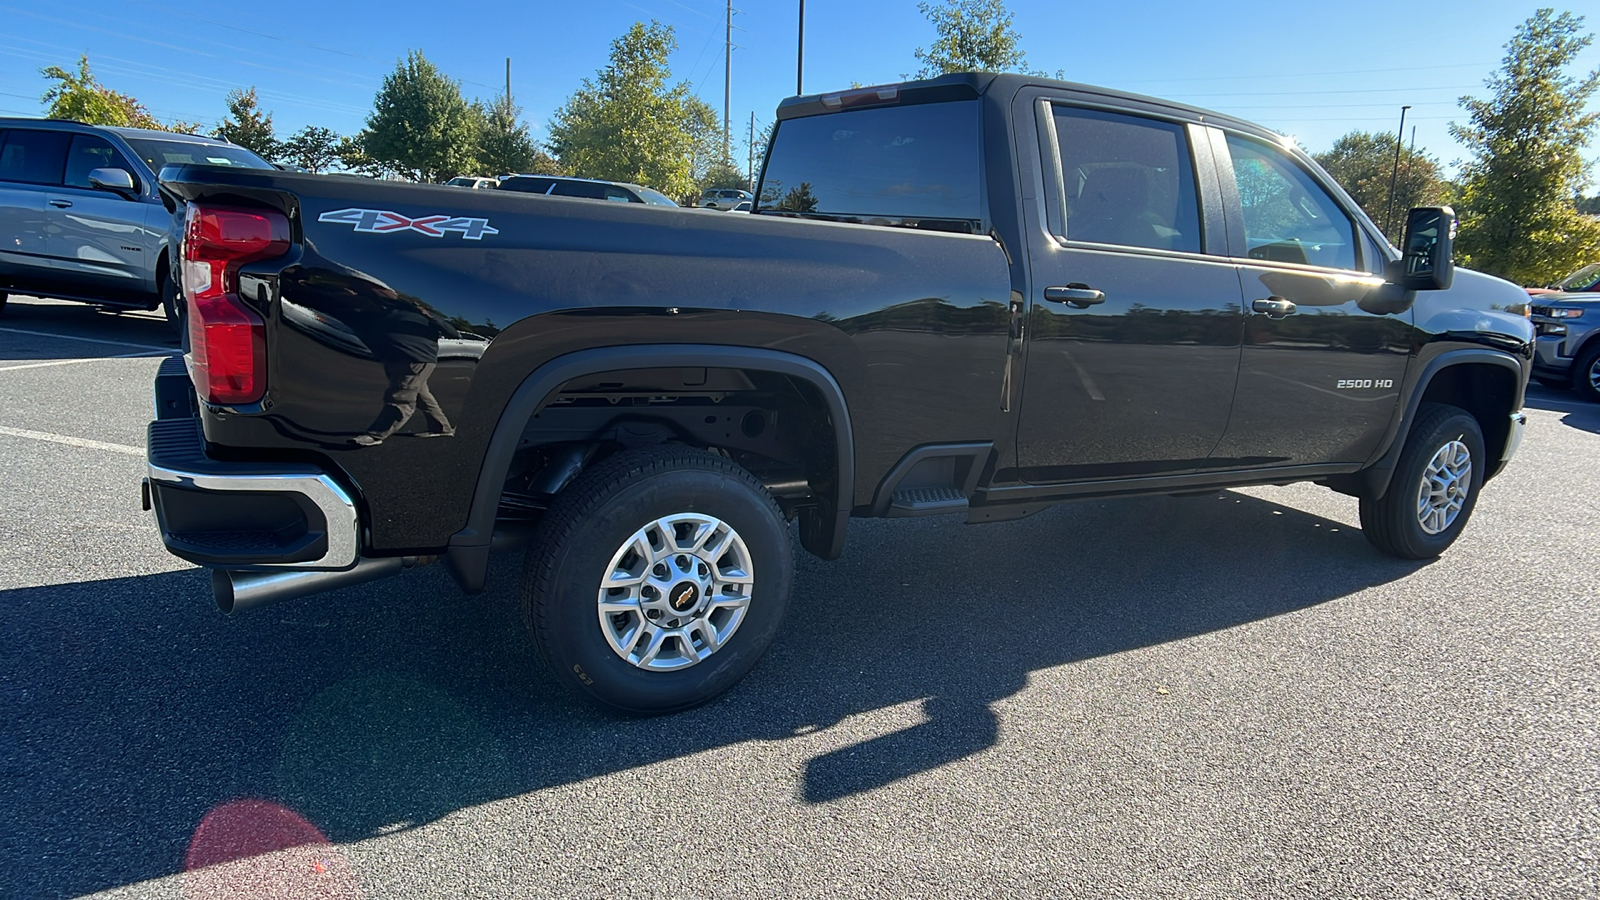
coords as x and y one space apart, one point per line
238 591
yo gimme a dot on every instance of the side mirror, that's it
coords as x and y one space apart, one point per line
1429 243
117 181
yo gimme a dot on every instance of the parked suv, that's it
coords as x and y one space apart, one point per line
585 188
82 214
1567 342
724 198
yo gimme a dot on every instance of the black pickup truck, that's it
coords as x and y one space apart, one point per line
977 294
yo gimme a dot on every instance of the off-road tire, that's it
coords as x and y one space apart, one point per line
596 515
1393 523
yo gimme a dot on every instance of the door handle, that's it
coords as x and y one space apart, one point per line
1080 295
1274 307
61 204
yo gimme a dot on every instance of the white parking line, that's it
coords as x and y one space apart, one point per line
73 362
68 337
71 441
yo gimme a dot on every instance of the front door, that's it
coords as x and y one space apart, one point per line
101 241
1320 375
1133 338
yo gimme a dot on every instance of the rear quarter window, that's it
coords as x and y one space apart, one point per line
34 157
915 166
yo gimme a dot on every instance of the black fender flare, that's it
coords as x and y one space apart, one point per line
1373 480
823 533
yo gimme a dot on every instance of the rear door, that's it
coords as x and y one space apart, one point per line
31 163
103 241
1320 376
1134 329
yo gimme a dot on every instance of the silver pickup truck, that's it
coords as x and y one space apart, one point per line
82 215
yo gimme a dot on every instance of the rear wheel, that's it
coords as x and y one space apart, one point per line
1586 373
1434 488
172 305
657 579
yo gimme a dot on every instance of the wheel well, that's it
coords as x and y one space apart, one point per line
774 425
1488 392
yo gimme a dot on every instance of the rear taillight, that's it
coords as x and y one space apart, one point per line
227 339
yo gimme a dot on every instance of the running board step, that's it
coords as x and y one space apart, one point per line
926 501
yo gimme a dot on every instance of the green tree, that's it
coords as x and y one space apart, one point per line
421 128
974 36
247 126
627 123
352 155
1363 162
79 96
1589 206
504 145
1518 216
313 148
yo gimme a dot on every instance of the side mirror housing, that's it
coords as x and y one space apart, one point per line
117 181
1428 263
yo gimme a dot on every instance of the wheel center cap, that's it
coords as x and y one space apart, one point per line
683 596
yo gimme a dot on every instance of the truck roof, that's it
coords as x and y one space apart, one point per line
972 85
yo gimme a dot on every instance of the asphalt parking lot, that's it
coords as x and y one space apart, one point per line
1217 696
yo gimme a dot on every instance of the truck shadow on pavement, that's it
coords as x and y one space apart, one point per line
133 708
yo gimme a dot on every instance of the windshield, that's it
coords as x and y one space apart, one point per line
913 166
654 197
157 153
1581 280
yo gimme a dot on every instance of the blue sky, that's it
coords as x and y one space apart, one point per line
1315 75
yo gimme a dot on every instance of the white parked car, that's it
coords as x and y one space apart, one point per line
724 198
467 181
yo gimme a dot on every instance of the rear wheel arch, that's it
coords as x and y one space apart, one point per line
822 532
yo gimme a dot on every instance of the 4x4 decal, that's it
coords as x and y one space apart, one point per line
383 221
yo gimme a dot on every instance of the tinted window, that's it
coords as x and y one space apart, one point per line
1129 181
899 165
592 190
527 185
655 198
1288 217
89 153
35 157
157 153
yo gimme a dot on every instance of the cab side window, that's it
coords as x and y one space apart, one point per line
34 157
1288 217
88 153
1129 181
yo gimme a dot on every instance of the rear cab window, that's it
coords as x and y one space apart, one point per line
1128 181
913 166
34 157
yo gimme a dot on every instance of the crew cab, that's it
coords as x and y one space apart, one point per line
977 295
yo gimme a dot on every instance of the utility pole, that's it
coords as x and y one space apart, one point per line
508 81
1388 217
800 53
727 89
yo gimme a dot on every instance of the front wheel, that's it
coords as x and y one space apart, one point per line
1586 373
1434 488
657 579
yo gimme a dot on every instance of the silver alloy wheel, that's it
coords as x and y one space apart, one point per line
675 592
1594 375
1445 485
